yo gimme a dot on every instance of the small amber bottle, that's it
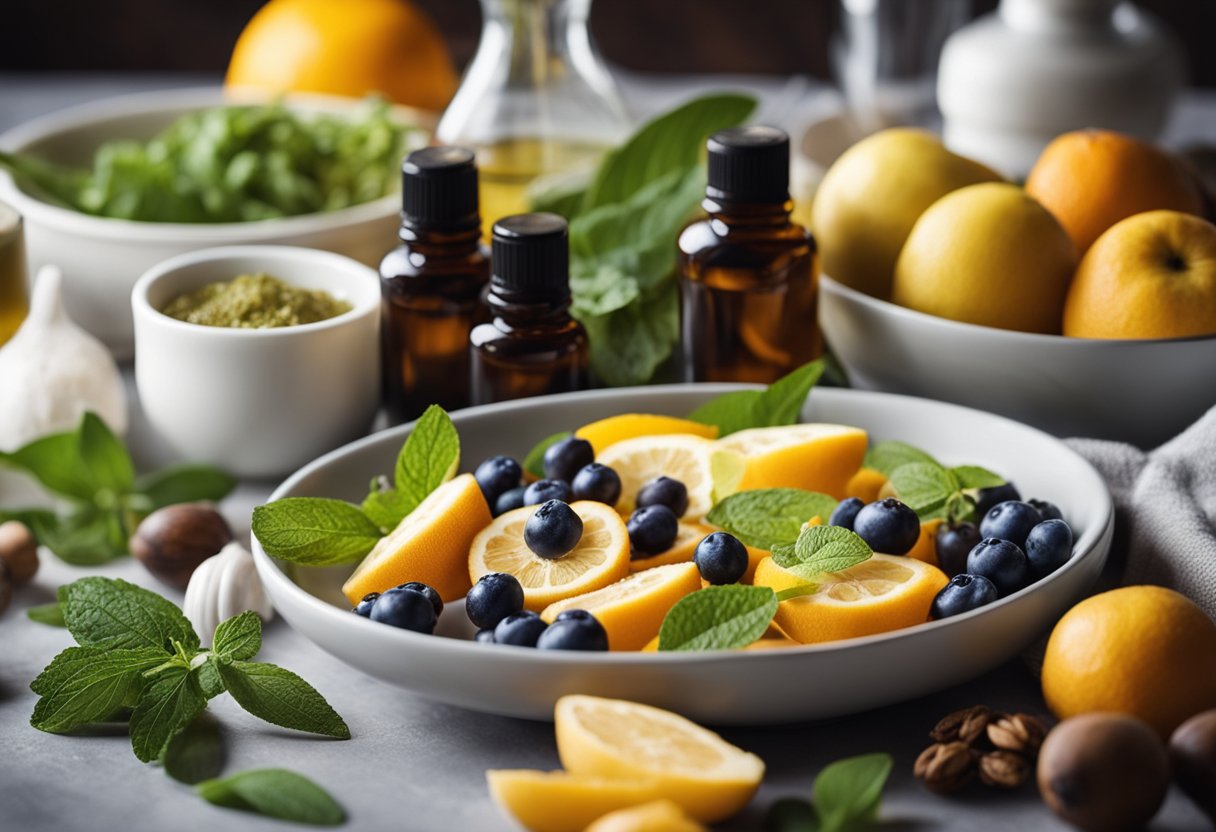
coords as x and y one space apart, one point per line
532 346
748 275
431 284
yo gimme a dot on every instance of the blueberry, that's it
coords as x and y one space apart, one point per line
1048 547
845 513
963 594
953 544
542 491
988 497
497 475
566 458
364 607
721 558
484 637
574 630
664 491
1047 510
652 529
597 482
1011 520
1001 562
553 530
493 598
888 526
521 629
406 609
510 500
429 592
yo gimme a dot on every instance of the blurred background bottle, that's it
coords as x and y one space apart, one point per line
14 292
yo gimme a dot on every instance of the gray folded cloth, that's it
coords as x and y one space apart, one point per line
1165 511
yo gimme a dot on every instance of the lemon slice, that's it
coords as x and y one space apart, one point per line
615 429
692 766
708 470
656 816
554 801
430 545
685 546
816 457
886 592
600 558
632 610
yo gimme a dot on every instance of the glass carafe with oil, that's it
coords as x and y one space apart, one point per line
14 293
536 103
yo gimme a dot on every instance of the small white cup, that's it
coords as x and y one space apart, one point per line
258 402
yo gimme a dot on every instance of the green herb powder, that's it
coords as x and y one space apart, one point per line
255 301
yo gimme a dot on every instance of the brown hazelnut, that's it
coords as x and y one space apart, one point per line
171 542
1193 754
18 550
6 587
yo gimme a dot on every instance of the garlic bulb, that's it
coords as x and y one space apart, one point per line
52 372
224 585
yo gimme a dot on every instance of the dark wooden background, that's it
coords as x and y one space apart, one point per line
767 36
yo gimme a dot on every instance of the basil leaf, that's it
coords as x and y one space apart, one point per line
86 684
790 814
281 698
276 793
849 792
49 614
924 487
167 705
779 404
629 344
768 517
197 752
888 455
106 458
718 618
239 637
84 538
111 613
314 531
185 484
534 462
821 549
973 476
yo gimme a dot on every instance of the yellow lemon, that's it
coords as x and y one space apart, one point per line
692 766
600 558
615 429
773 637
865 485
555 801
430 545
687 538
656 816
709 471
811 457
632 610
884 593
925 548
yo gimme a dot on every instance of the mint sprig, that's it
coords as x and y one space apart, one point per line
276 793
777 405
769 517
822 549
932 490
428 458
847 797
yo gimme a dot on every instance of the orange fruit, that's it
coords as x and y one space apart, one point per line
813 457
351 48
1152 275
615 429
1146 651
865 485
1091 179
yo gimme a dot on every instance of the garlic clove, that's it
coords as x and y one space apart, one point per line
224 585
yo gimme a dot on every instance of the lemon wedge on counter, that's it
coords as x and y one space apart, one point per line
555 801
656 816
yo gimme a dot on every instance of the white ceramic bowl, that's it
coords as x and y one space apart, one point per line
101 258
258 402
723 688
1143 392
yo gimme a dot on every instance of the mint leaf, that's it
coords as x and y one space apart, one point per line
428 458
629 344
790 814
209 677
239 637
167 705
534 462
87 684
848 792
731 412
281 698
56 462
111 613
185 484
106 458
49 614
924 487
87 536
886 456
314 531
779 404
821 549
973 476
196 753
385 508
276 793
718 618
768 517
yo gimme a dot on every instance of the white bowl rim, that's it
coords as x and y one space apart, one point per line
287 254
149 102
270 570
887 307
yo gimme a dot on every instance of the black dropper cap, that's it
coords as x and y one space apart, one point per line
439 189
749 164
530 257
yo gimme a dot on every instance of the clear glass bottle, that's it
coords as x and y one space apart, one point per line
432 283
749 276
531 347
536 102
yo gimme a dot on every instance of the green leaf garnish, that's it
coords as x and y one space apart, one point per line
281 698
167 705
87 684
534 462
111 613
275 793
780 404
975 477
197 752
239 637
924 487
888 455
185 484
821 549
314 531
848 792
428 459
769 517
49 614
718 618
105 457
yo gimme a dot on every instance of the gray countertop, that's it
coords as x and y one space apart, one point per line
414 764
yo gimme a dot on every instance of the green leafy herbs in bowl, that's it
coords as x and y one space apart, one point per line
232 164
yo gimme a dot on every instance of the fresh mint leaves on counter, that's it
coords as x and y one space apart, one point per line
91 470
847 797
929 488
821 549
779 404
534 462
276 793
49 614
769 517
197 752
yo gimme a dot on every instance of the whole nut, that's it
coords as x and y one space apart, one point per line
1193 754
945 767
1004 769
171 542
1021 732
18 550
965 726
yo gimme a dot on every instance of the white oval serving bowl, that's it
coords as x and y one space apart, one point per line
721 688
258 402
1139 391
102 258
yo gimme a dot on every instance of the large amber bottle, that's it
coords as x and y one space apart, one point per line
749 276
432 283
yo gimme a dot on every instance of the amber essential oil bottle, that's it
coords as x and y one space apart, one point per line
431 284
748 275
531 346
